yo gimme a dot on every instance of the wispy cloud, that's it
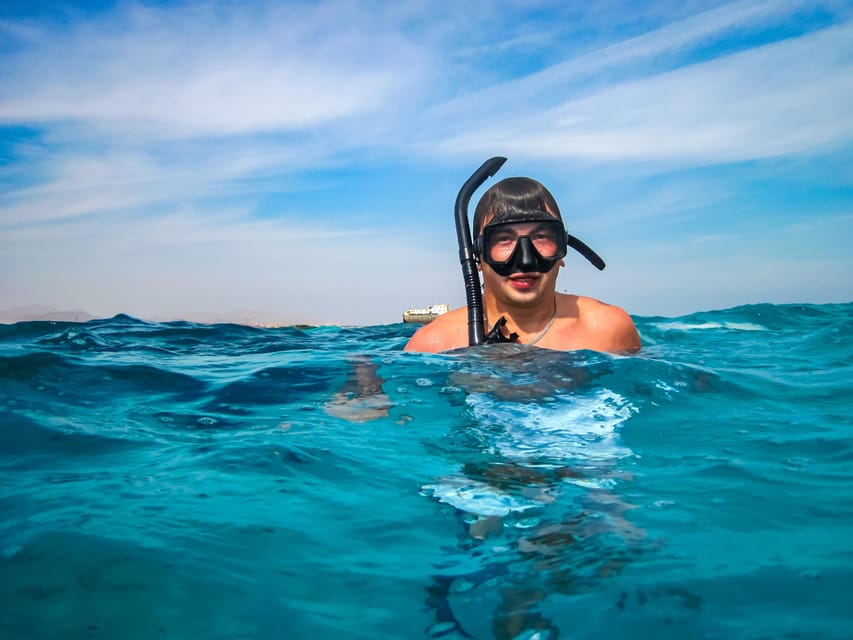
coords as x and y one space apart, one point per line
783 98
209 69
80 182
155 105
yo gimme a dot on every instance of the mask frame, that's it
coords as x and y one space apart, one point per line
525 258
532 261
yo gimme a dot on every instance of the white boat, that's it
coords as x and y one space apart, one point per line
425 315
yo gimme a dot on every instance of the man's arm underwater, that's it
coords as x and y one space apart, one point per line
362 398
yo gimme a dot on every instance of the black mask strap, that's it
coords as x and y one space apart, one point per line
586 252
496 334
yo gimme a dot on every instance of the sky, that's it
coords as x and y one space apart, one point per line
299 161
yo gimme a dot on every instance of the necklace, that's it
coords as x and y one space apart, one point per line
513 336
547 326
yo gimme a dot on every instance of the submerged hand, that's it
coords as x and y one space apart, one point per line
358 408
361 399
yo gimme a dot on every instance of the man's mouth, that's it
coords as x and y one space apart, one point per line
523 280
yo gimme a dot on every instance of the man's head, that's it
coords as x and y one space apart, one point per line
517 228
511 199
515 204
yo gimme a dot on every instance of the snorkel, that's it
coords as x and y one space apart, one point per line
473 294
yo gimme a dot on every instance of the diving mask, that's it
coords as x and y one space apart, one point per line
528 242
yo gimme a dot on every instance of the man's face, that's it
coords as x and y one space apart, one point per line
523 246
516 247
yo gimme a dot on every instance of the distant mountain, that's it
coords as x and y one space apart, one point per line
253 318
42 312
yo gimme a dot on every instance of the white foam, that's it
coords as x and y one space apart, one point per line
477 497
734 326
565 430
744 326
569 428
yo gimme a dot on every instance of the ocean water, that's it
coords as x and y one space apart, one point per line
186 481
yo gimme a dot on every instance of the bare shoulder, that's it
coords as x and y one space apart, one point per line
447 331
612 327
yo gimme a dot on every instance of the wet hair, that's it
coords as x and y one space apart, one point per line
512 196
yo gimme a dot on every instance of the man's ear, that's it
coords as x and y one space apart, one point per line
562 262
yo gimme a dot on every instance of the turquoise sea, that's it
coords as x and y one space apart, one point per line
191 481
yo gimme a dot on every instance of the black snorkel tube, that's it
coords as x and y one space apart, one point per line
473 294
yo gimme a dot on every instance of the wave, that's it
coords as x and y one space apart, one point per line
684 326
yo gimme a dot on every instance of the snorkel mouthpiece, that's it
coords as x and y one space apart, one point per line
496 334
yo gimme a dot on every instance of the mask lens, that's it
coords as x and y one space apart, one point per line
501 240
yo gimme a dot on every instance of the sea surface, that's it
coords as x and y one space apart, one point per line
176 480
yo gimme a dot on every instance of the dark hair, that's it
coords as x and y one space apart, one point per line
511 196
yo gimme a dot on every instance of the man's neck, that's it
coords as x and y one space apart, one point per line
526 321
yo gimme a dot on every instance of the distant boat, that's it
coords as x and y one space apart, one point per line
425 315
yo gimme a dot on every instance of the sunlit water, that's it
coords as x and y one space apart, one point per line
186 481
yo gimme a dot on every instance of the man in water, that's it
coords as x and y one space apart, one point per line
520 241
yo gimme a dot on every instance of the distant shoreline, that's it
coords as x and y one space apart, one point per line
45 313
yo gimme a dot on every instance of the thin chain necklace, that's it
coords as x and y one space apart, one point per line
547 326
541 333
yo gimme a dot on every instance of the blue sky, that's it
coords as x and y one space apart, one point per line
300 161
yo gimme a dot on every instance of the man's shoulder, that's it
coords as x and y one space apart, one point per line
609 323
590 308
447 331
